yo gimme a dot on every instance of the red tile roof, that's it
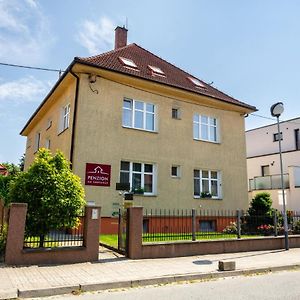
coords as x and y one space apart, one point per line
174 76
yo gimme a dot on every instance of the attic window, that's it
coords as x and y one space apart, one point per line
156 70
197 82
128 62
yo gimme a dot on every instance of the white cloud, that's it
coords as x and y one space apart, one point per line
28 89
96 37
24 31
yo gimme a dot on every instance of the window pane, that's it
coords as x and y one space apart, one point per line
205 186
204 119
139 119
174 171
213 121
136 181
137 167
150 107
196 187
125 165
127 117
204 132
148 168
197 173
196 131
149 121
148 183
139 105
205 174
124 177
214 174
214 188
196 118
213 134
127 104
175 114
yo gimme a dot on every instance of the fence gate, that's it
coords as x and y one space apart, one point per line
122 230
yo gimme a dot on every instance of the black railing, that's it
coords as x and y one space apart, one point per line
161 225
64 237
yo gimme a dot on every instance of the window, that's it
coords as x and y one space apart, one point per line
128 62
175 113
65 118
139 175
265 170
297 139
175 171
139 115
276 137
37 141
47 144
205 128
207 182
156 70
197 82
49 124
207 226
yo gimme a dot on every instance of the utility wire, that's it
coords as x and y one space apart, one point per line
30 67
273 119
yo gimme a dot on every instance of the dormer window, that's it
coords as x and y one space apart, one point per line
156 70
197 82
128 62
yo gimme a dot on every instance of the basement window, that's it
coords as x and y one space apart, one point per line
128 62
197 82
156 70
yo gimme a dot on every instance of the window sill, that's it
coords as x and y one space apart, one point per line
143 195
206 141
63 131
175 177
199 198
140 129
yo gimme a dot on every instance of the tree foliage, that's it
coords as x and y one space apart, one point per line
12 169
261 204
4 188
54 194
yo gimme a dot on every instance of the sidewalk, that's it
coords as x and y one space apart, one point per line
113 271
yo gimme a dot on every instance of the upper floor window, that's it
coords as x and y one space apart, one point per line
205 128
65 118
141 176
37 141
47 143
139 115
175 113
276 137
207 184
297 139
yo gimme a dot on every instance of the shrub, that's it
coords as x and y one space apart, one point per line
231 228
3 236
265 229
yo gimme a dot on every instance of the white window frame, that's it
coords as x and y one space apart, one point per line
178 171
65 118
209 126
37 141
133 109
210 180
143 173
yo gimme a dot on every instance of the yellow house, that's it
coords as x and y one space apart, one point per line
130 116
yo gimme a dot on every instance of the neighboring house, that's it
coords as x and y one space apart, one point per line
3 170
144 121
264 165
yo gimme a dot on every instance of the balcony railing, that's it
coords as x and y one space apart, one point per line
270 182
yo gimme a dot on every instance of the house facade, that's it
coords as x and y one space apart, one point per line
263 162
129 116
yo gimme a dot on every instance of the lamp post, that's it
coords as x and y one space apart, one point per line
276 110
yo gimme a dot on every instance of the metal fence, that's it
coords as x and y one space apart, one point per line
161 225
64 237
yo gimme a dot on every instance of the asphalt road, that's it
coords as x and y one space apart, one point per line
283 285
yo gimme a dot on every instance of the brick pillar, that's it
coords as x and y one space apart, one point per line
135 231
91 232
15 235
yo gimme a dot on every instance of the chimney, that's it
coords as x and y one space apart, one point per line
120 37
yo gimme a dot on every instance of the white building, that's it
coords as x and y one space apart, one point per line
263 164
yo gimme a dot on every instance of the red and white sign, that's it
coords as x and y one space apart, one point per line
97 174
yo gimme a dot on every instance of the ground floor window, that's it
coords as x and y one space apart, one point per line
141 176
208 226
207 184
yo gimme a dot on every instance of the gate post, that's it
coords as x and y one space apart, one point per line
135 232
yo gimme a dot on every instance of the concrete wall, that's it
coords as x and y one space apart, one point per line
16 255
260 140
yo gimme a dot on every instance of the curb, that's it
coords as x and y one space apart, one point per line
140 282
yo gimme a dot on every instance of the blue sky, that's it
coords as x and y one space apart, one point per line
249 49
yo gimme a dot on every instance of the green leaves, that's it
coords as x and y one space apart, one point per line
54 194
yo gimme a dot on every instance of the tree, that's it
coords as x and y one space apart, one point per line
11 168
22 162
54 194
261 204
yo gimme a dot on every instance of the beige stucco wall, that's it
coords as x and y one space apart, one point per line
100 138
64 94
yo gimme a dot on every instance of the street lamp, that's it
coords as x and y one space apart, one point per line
276 110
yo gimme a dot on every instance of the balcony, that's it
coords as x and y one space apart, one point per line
270 182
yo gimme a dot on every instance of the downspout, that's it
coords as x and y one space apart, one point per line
74 118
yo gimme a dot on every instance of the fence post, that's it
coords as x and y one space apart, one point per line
238 223
193 224
275 223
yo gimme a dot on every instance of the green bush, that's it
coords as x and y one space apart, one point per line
3 236
231 228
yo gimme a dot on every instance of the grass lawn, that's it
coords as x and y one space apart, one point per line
112 239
